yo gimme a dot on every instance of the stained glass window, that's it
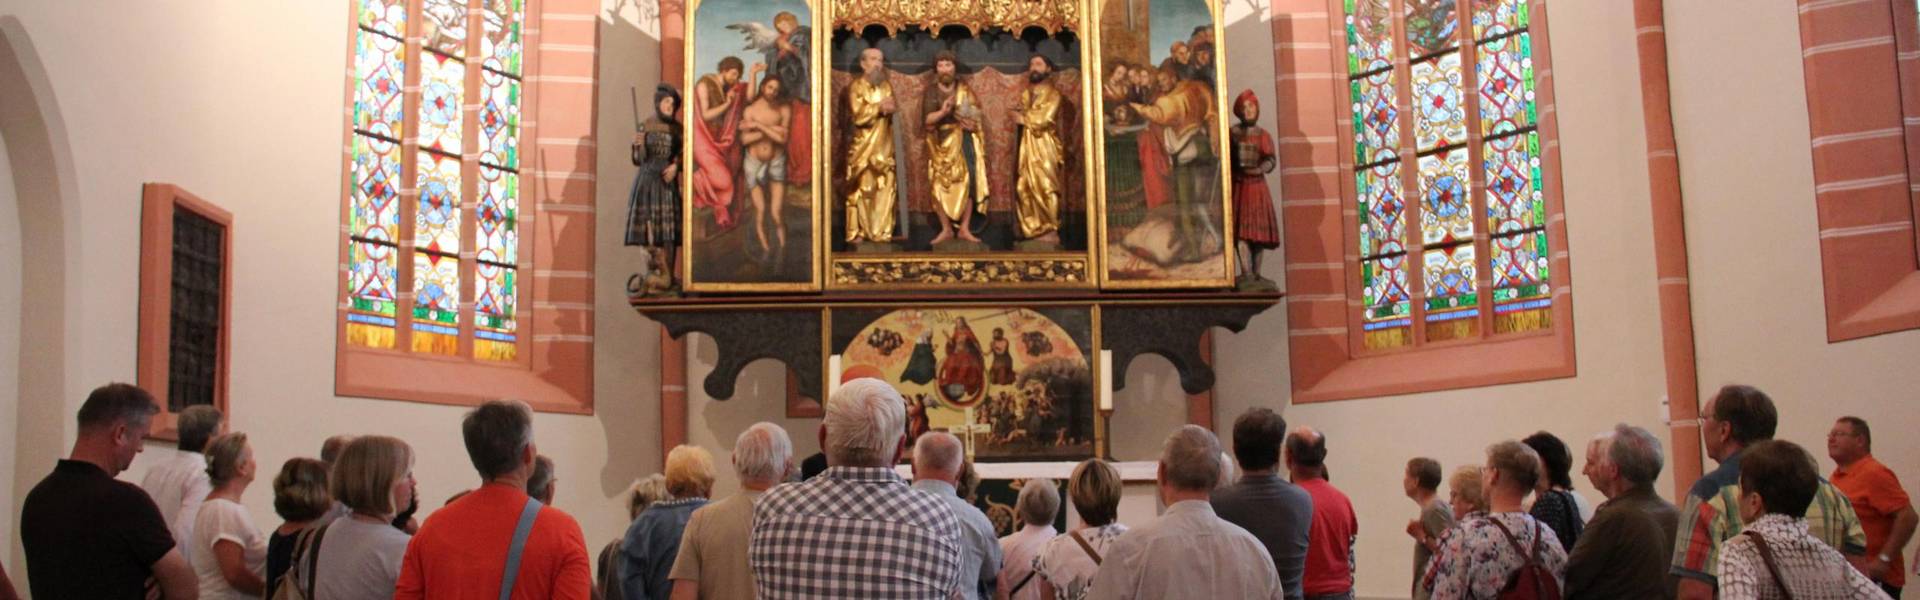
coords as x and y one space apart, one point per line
434 206
1467 210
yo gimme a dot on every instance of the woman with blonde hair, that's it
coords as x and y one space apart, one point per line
653 541
229 552
359 554
1067 564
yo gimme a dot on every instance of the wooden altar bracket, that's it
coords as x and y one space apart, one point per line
791 328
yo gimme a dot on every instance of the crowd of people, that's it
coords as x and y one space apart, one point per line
1763 524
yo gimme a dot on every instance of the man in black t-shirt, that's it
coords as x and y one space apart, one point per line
88 535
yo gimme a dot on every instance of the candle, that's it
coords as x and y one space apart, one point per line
1106 380
833 374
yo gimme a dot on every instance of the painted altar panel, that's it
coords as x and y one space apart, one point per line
753 147
1014 383
1166 209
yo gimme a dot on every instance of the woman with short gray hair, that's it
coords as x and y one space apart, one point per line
1039 503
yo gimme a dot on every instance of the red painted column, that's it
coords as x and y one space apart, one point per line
1669 246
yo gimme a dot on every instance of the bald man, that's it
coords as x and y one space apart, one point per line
1331 537
937 460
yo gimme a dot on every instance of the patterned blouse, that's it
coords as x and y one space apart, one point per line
1814 570
1066 566
1475 560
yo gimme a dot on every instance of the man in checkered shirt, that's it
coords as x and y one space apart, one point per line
1778 481
857 530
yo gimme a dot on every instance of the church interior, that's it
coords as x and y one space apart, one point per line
1735 185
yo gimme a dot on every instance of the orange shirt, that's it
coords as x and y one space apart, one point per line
461 552
1876 496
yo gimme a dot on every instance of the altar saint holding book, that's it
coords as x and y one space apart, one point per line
870 160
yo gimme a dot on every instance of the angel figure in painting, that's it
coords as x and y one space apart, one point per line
785 47
1256 227
956 152
653 206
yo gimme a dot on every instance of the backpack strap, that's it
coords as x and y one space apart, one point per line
1091 553
1508 533
1766 556
520 533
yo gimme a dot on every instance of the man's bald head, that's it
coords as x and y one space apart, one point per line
937 455
1306 449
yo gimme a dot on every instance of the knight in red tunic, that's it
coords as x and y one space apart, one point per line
1253 158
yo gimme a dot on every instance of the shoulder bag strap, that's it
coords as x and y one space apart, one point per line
520 533
308 550
1091 553
1029 579
1766 556
1507 533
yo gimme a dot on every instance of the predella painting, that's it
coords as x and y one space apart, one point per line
1166 206
750 114
1015 384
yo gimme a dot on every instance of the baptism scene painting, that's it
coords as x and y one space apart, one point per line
752 184
957 130
1014 384
1166 207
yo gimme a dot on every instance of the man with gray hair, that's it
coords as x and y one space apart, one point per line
857 530
937 457
1188 552
713 552
179 483
1625 549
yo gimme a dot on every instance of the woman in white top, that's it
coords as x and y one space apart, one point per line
229 553
360 553
1064 566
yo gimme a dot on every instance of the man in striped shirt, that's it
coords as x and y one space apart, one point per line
1737 417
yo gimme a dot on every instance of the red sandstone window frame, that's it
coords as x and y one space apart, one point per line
1862 63
553 369
1324 305
153 359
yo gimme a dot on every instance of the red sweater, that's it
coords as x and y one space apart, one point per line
461 552
1329 541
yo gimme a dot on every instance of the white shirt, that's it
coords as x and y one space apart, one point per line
220 520
1187 553
177 485
359 559
1065 565
1017 552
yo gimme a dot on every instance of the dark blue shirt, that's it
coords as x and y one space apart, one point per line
1276 512
651 545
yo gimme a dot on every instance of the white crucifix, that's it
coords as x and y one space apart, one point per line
968 429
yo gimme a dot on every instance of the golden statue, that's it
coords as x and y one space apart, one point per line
956 154
1041 155
870 161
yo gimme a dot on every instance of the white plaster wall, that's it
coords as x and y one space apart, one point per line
1740 114
241 104
1608 219
10 293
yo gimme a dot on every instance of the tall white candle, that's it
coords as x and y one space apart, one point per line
1106 380
833 375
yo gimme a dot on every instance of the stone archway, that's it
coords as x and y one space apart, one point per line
43 195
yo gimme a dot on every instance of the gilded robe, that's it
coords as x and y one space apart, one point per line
1039 187
870 164
956 170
